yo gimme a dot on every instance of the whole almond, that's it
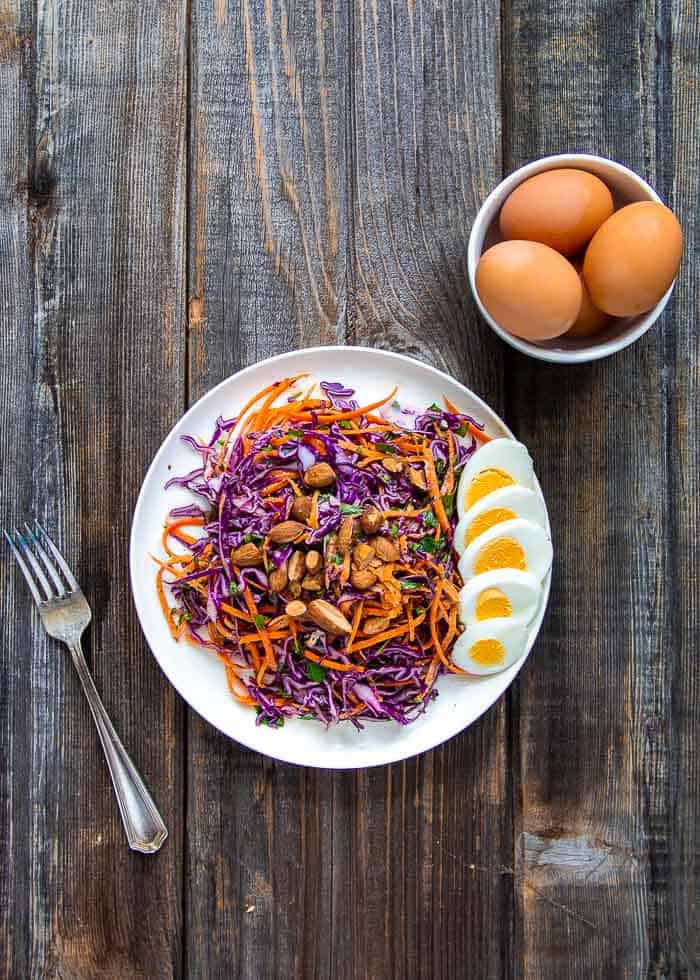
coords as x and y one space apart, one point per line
416 477
362 579
362 555
371 520
300 509
385 549
319 475
296 566
278 623
328 618
286 532
345 535
314 562
312 583
247 555
392 465
295 609
278 578
375 624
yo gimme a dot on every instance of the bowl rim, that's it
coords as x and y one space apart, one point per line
484 218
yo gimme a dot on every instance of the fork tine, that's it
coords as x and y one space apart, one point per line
25 571
63 564
36 567
48 564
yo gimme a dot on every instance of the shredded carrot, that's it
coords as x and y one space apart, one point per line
167 611
238 688
262 632
273 487
380 638
438 505
255 637
313 514
232 611
411 623
358 412
357 616
332 664
472 429
175 526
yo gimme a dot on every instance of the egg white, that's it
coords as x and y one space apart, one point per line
512 636
522 590
533 539
521 501
504 454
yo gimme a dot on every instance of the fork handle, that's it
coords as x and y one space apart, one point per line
143 824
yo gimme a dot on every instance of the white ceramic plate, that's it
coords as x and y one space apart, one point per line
198 675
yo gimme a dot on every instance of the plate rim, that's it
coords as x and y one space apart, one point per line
140 504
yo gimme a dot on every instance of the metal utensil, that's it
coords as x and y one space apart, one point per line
65 614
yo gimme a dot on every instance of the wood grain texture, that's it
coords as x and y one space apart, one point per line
267 272
608 699
188 187
92 226
429 868
338 159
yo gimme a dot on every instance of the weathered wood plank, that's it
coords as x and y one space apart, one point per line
91 221
606 776
268 246
428 837
299 114
675 823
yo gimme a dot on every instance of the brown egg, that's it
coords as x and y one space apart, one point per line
560 208
633 258
529 289
590 319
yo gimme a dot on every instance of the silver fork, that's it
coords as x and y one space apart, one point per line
65 614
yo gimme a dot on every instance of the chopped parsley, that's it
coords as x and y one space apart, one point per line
434 407
448 502
384 447
345 424
259 620
408 584
233 589
429 519
429 544
462 430
350 509
315 672
277 723
394 530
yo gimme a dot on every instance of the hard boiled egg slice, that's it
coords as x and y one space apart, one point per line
519 544
502 594
500 505
498 463
490 646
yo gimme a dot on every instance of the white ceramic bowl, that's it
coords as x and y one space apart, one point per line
199 676
626 188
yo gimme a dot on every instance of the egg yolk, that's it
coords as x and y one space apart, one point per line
492 604
488 653
486 520
500 553
486 481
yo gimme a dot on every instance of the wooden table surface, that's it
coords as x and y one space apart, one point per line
187 186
